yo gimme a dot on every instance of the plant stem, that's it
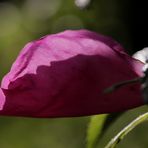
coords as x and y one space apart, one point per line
121 84
113 143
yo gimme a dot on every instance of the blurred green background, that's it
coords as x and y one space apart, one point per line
26 20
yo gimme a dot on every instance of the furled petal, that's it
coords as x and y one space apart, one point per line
65 74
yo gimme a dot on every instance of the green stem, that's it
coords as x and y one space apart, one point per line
113 143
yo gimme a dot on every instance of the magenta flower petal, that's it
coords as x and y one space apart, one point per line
65 74
2 99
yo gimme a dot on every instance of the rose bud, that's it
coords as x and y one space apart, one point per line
66 74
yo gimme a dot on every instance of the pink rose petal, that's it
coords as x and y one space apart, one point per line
65 74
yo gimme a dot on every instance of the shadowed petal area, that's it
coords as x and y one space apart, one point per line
65 74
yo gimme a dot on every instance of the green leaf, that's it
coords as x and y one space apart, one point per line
95 129
110 119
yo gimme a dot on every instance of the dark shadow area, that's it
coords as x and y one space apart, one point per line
124 20
138 24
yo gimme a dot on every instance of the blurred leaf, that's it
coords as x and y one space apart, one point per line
94 129
111 118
